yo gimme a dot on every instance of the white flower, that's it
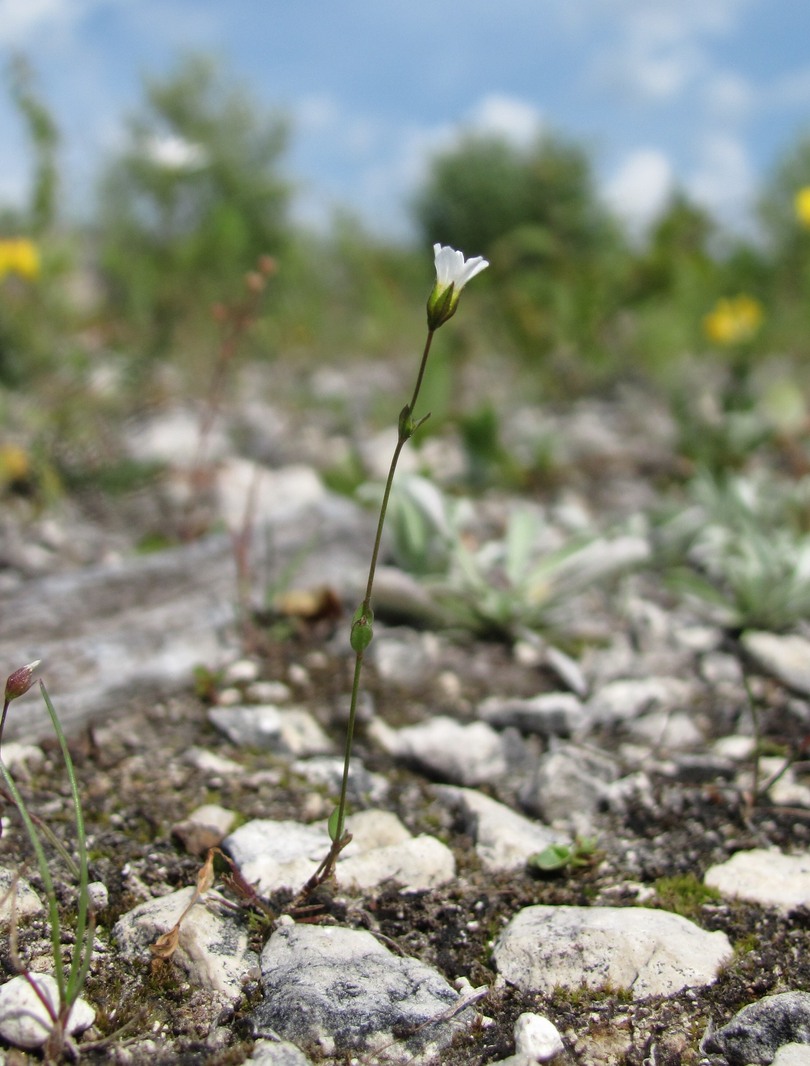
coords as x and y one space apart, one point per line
453 272
453 269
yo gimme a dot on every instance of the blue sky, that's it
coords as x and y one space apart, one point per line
706 94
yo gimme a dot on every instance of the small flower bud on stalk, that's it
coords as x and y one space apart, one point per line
18 683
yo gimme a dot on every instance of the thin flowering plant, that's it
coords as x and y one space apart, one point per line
69 980
453 272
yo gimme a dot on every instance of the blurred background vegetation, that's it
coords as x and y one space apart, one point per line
102 315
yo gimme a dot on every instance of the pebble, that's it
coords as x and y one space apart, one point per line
209 762
649 952
25 1023
275 855
204 828
792 1055
327 771
277 1053
269 728
345 992
278 494
462 754
786 657
628 698
766 876
568 786
25 900
551 714
504 839
756 1032
536 1040
212 946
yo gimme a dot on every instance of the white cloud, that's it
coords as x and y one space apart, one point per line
640 188
729 97
658 49
517 120
23 22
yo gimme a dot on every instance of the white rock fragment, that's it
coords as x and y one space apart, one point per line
569 785
204 828
628 698
277 1053
342 990
22 898
213 943
504 839
787 658
550 714
418 865
291 731
463 754
25 1023
765 876
209 762
327 771
99 896
21 758
649 952
275 855
792 1055
277 494
536 1038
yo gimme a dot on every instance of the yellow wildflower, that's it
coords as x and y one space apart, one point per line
802 204
15 464
733 320
19 255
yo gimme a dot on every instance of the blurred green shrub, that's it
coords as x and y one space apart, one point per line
190 205
558 260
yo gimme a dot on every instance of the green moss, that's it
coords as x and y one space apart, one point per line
684 894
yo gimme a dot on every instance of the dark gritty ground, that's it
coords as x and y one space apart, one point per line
136 784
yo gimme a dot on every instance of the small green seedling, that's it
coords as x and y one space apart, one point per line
557 857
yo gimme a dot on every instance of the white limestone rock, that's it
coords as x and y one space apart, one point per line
204 828
766 876
277 1053
504 839
25 1023
569 785
288 731
343 991
25 901
628 698
462 754
277 494
649 952
275 855
786 657
213 942
757 1032
558 714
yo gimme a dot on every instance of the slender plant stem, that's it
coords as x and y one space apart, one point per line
406 430
79 964
47 880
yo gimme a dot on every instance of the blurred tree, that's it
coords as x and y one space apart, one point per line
785 251
677 251
191 203
786 234
557 258
45 140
